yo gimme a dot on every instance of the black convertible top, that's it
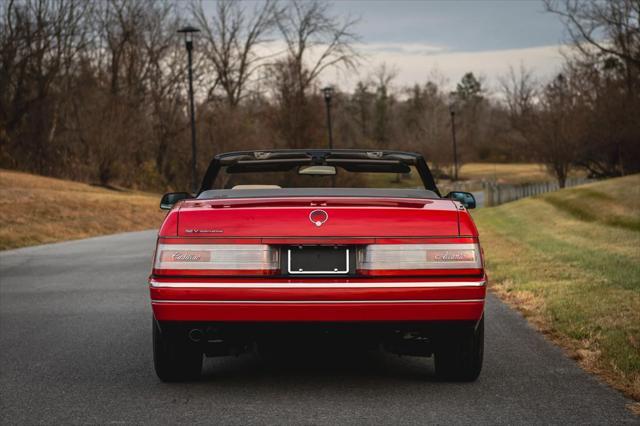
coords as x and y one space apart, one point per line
316 192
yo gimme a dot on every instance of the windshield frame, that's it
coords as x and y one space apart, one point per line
318 157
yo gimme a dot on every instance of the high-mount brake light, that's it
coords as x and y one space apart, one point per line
216 259
410 258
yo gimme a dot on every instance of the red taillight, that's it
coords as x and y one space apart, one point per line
416 259
216 259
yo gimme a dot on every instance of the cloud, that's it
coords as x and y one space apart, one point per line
416 63
400 48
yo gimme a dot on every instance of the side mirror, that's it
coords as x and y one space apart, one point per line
170 198
465 198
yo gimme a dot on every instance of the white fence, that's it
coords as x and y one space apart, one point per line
499 193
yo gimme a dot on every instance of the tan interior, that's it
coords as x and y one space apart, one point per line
256 187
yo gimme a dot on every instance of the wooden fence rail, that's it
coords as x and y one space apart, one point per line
500 193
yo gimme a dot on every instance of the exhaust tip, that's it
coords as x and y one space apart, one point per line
196 335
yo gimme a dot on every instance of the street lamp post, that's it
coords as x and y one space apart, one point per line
452 111
188 32
328 93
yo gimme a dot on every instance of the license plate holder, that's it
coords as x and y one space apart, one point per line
318 260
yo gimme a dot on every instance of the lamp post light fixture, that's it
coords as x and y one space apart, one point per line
452 111
328 94
188 32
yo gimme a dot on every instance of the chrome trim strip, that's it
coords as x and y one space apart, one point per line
302 285
314 301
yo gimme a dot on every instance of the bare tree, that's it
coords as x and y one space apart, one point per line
142 64
520 91
605 36
165 84
545 119
315 40
39 45
605 28
382 127
521 97
558 128
233 36
362 99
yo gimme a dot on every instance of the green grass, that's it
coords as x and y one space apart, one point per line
570 260
471 176
509 172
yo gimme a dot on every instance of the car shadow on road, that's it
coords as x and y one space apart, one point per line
326 365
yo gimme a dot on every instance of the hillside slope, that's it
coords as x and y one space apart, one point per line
570 261
38 210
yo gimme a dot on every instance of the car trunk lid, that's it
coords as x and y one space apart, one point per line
345 217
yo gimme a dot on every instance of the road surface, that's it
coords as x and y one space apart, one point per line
75 347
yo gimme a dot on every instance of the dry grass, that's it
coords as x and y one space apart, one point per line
507 173
38 210
570 261
472 174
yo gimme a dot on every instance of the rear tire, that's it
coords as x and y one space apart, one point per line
458 355
175 360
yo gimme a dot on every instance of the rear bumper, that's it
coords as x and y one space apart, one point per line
317 300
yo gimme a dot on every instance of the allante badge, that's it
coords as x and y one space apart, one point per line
318 217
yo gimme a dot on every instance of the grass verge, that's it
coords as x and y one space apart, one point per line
470 173
39 210
507 172
570 261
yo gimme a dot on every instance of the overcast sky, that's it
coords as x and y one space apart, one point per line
442 40
449 38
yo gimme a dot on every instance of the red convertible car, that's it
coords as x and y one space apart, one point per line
292 246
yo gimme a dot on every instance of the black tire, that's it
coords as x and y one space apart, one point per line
458 355
175 360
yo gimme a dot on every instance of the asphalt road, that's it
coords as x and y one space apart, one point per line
75 347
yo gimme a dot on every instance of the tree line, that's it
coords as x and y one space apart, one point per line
96 91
